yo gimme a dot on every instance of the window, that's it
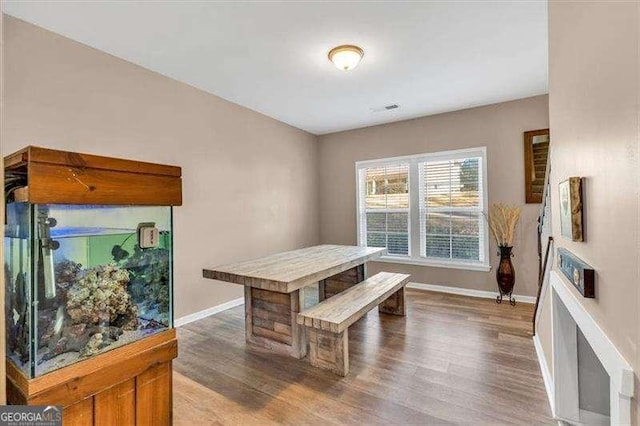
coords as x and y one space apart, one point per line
385 202
426 209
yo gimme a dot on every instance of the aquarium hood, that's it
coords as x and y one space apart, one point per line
46 176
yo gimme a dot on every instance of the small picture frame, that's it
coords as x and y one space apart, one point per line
579 273
571 209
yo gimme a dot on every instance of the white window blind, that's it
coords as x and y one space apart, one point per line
384 207
452 224
426 209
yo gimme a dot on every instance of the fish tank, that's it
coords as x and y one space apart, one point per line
84 279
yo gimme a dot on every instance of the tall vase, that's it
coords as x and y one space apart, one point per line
506 275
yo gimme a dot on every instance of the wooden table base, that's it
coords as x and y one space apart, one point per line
270 317
340 282
270 321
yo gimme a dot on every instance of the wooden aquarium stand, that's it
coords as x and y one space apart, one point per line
125 386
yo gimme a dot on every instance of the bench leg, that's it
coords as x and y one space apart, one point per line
394 305
329 351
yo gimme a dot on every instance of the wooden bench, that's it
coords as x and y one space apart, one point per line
327 323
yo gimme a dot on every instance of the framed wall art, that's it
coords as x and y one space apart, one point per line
571 209
579 273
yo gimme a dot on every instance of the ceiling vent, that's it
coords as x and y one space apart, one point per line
386 108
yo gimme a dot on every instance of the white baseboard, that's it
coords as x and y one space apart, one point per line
467 292
546 374
209 311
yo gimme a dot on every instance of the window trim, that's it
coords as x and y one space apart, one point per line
414 257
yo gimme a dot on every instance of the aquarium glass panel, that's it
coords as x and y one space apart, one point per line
17 268
102 279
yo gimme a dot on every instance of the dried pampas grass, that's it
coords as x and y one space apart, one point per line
502 220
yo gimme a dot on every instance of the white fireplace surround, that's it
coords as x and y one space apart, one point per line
562 386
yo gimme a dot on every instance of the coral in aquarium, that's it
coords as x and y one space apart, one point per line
149 278
67 273
101 296
94 310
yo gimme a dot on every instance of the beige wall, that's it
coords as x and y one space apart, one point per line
594 90
250 182
499 127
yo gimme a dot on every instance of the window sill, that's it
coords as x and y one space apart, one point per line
434 263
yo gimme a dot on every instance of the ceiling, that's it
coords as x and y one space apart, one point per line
427 57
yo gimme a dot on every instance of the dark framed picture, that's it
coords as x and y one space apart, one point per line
580 274
571 209
536 153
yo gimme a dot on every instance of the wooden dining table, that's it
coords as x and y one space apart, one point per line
273 289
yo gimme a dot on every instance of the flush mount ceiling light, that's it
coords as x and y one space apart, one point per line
346 57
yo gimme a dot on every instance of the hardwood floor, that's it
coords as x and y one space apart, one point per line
451 360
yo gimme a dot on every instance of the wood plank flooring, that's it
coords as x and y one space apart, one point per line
451 360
